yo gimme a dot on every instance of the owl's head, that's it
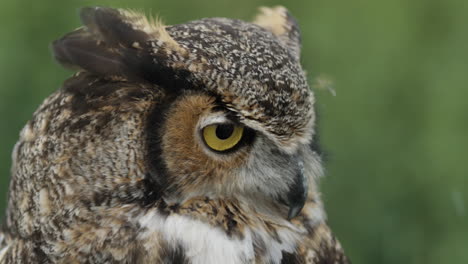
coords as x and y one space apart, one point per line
214 107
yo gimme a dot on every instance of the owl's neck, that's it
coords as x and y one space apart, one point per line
228 230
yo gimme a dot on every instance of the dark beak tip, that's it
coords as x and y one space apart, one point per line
297 194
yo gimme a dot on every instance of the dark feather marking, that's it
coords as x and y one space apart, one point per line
158 173
163 208
173 255
174 207
152 192
37 253
153 69
231 223
292 258
80 124
102 122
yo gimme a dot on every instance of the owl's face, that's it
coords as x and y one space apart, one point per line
214 108
208 151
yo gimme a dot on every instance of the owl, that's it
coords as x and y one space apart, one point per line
193 143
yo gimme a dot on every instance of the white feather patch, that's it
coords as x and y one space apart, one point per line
205 244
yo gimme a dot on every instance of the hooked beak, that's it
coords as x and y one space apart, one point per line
297 193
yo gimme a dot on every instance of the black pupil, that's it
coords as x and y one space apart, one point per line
224 131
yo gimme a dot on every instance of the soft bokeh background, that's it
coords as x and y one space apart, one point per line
396 189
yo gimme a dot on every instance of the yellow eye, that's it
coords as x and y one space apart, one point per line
222 137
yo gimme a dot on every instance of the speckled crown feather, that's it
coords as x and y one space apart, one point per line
252 67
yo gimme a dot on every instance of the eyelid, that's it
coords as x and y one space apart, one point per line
216 118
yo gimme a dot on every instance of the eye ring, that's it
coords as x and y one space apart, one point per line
223 136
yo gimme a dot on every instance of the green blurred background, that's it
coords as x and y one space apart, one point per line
396 131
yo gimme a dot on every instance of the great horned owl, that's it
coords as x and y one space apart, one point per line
191 143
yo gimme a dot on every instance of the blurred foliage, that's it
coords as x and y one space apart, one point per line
396 131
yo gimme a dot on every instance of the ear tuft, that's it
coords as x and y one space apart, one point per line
279 21
127 27
79 49
114 42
